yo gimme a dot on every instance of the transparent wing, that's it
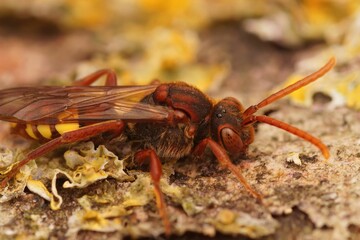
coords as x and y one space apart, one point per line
50 105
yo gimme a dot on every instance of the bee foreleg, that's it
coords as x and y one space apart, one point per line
111 79
223 158
150 156
68 137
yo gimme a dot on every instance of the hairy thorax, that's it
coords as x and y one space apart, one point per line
168 141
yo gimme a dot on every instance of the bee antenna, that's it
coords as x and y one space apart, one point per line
291 129
291 88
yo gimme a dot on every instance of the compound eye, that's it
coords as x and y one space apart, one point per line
231 140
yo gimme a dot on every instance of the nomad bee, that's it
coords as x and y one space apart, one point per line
166 121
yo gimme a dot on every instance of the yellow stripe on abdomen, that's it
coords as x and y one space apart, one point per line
45 131
48 132
62 128
29 131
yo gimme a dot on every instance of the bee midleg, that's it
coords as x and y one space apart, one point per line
67 137
111 79
150 156
223 158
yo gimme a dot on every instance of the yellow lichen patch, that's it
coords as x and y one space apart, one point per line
293 23
88 14
38 188
140 192
171 7
86 152
17 185
87 201
339 87
294 158
231 222
349 87
103 219
56 200
169 48
324 12
169 55
106 210
298 96
353 99
6 160
89 164
84 176
178 194
93 221
225 216
92 164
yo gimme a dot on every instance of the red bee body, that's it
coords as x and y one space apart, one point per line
163 121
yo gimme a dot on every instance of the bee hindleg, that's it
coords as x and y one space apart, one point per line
111 79
150 156
68 137
224 160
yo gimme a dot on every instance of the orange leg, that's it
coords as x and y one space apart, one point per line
155 172
68 137
224 159
111 79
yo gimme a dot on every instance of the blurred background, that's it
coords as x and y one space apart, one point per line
245 47
239 48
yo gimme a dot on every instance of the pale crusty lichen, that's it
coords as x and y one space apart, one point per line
85 165
202 198
18 184
230 222
104 220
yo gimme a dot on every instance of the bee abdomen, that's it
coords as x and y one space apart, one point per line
44 132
